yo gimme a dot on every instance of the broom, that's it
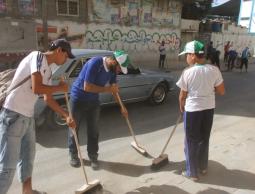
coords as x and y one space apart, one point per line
88 186
134 144
162 159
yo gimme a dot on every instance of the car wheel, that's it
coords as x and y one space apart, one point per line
159 94
55 120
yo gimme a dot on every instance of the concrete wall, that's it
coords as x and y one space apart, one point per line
74 32
17 38
141 43
132 25
190 25
136 26
17 35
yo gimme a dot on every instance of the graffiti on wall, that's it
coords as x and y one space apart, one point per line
132 40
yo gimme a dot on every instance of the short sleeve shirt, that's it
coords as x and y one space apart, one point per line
93 72
200 82
22 99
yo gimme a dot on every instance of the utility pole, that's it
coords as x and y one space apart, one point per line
45 24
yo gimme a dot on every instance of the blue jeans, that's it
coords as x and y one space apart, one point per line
17 147
197 126
88 112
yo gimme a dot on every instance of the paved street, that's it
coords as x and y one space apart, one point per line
124 171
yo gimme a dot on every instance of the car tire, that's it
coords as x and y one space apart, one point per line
159 94
54 120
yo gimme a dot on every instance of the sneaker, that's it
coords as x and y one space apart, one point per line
94 164
74 161
184 173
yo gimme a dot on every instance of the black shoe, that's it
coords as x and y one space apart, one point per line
74 161
94 164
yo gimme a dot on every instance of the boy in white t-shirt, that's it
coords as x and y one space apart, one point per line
17 129
198 83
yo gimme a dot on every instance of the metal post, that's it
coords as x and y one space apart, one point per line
45 24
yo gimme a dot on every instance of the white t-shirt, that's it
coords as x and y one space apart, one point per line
22 99
200 82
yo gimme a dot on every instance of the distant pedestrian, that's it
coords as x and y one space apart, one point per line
209 50
244 58
232 55
162 54
215 57
198 85
226 50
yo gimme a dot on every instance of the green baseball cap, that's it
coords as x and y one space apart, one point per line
193 47
123 60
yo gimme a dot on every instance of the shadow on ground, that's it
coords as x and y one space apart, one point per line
221 176
158 189
213 191
162 189
167 189
217 174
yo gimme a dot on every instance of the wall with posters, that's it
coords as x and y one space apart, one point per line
136 12
137 26
130 25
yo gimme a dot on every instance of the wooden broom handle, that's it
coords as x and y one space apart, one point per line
127 120
171 134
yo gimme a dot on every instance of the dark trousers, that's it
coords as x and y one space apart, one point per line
244 61
215 61
161 61
197 126
231 61
88 112
225 57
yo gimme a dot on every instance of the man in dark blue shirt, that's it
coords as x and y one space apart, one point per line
97 75
232 55
244 58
